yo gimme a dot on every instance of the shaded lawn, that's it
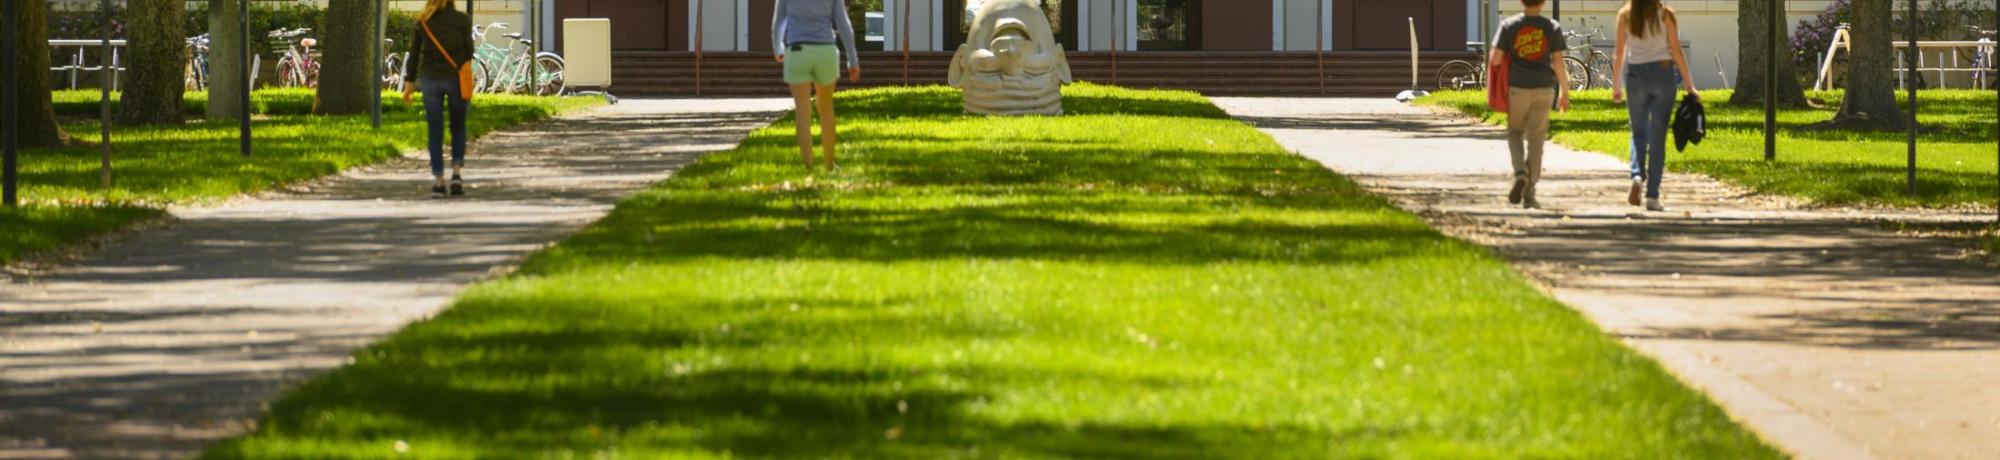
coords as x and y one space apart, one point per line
34 229
1142 278
1955 162
154 166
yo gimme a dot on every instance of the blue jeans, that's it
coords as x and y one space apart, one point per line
437 94
1649 98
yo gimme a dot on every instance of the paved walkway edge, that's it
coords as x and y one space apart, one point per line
1779 422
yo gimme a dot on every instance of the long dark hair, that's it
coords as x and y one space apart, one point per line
1641 16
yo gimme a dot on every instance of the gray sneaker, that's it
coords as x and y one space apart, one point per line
1653 204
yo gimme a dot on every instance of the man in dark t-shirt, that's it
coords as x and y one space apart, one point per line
1533 47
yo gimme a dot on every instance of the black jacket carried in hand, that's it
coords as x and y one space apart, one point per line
1690 123
454 30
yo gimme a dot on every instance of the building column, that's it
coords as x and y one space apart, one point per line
1278 25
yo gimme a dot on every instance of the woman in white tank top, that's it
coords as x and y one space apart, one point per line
1649 66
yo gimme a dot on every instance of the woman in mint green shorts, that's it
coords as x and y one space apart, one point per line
803 32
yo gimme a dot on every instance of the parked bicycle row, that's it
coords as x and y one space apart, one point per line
516 68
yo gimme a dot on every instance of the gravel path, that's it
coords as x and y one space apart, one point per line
1822 330
174 337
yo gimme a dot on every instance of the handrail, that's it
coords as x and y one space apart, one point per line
75 66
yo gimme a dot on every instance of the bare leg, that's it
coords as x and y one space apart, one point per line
828 134
803 113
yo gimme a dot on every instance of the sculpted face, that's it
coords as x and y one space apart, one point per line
1011 63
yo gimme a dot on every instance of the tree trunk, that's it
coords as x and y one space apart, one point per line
1753 25
156 58
347 78
1870 103
225 60
37 112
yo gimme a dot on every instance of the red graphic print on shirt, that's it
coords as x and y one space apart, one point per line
1531 44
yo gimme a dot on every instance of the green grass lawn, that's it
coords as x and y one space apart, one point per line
1143 278
199 161
1955 162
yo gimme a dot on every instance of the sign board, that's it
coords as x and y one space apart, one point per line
587 52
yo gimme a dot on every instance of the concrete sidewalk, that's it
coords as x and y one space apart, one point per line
172 338
1829 335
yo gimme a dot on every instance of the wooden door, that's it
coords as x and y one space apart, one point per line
635 24
1384 24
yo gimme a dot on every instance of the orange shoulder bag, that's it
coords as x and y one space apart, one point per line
464 71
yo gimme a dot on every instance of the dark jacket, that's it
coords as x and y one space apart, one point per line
1690 123
454 30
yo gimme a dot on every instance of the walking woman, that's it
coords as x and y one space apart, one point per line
1532 47
1649 66
443 42
803 31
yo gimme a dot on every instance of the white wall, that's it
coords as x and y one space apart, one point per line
1709 27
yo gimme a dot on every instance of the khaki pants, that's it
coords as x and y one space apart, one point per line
1527 128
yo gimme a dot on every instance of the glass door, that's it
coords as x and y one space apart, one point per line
871 22
1168 25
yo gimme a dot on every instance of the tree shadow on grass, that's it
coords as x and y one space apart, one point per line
546 385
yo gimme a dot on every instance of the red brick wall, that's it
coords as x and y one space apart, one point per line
1383 24
635 24
1236 25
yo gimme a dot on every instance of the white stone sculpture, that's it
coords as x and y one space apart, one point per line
1011 63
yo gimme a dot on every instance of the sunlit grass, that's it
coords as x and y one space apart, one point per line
1143 278
200 161
1955 160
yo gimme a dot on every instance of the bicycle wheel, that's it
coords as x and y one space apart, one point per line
1457 75
289 75
1600 69
481 81
391 79
549 75
1579 73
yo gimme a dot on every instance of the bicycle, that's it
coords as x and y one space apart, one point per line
395 67
194 75
512 69
297 68
1460 74
1984 72
1590 70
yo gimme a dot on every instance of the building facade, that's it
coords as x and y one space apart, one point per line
1082 25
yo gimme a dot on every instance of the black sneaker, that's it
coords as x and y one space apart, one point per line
457 186
1520 186
437 191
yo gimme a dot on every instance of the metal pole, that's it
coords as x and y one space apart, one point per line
698 32
1910 183
243 21
10 98
1996 102
375 103
906 42
1117 38
531 14
104 96
1558 13
1771 80
1319 42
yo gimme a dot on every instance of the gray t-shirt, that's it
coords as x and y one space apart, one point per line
813 21
1531 42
